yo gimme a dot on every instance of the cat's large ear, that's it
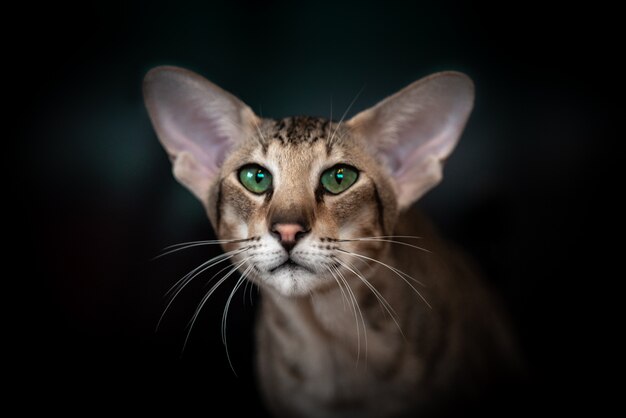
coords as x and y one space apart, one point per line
414 130
197 122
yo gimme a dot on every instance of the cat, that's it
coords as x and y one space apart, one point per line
365 312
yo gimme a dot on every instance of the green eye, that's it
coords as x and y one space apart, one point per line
339 178
255 178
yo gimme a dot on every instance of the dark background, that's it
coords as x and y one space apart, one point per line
525 192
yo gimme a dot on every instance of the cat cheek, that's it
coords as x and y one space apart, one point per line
231 226
355 207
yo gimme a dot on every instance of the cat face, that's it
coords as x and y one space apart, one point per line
318 192
296 200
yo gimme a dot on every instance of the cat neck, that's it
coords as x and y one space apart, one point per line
357 311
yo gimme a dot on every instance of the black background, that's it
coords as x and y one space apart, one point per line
526 192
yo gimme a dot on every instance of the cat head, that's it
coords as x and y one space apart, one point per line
293 198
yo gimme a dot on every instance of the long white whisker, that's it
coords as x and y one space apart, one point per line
355 304
398 272
394 236
245 289
330 119
185 245
206 297
385 240
230 297
204 266
345 114
225 314
256 125
215 275
182 283
211 241
344 297
250 295
383 302
394 269
354 269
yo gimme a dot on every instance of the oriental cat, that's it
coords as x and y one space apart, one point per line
364 312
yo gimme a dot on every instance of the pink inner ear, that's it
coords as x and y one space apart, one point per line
199 135
418 139
193 116
415 129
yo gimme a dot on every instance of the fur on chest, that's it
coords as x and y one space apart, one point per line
340 365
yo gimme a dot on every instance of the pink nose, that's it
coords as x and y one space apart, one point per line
288 233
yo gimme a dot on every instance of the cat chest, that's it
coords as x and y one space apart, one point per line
309 370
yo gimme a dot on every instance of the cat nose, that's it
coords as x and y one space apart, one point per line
288 234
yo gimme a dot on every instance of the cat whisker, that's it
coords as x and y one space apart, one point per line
225 314
262 137
210 241
203 267
347 131
374 239
249 285
344 297
330 141
347 296
206 297
245 289
356 308
217 274
355 270
398 272
394 236
182 283
394 269
185 245
383 302
330 119
241 280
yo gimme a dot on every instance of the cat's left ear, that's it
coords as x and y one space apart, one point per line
197 122
414 130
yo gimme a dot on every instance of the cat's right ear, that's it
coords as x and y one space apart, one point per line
413 131
197 123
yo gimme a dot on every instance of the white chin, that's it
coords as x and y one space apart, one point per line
292 280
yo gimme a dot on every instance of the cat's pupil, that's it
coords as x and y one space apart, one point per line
258 176
339 176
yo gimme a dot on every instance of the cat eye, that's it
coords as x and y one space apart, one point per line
339 178
255 178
